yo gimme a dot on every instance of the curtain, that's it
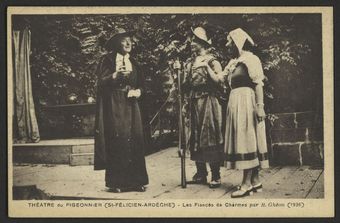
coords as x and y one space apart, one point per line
25 122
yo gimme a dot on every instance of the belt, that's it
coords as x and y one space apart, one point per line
250 85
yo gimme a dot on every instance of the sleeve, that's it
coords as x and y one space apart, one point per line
140 79
216 66
103 78
254 67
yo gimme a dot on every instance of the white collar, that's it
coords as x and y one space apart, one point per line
120 56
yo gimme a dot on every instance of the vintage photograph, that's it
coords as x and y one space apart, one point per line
159 105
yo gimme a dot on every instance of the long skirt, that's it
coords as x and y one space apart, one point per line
203 130
124 139
245 137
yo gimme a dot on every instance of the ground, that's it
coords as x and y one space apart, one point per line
82 182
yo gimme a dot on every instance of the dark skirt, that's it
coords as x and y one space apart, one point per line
204 129
124 139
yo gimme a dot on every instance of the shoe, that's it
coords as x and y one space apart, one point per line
215 183
198 179
140 189
242 192
115 190
258 187
127 189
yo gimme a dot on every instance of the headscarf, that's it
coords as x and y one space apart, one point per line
239 36
252 62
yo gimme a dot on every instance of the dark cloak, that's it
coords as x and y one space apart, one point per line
119 138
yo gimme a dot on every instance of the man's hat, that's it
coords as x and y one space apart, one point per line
120 32
201 34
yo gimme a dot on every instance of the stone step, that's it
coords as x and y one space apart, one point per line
42 154
81 159
83 149
300 153
51 151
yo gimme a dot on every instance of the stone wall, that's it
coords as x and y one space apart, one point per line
297 139
293 138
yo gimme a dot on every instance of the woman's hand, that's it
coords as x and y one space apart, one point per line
138 93
172 91
114 75
176 65
134 93
260 113
119 70
226 71
230 67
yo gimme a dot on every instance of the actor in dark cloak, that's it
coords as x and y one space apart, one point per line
119 139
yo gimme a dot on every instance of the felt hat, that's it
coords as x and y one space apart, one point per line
120 32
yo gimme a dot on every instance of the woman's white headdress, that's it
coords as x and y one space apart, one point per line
252 62
239 36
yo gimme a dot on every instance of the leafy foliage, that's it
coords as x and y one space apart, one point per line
65 50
